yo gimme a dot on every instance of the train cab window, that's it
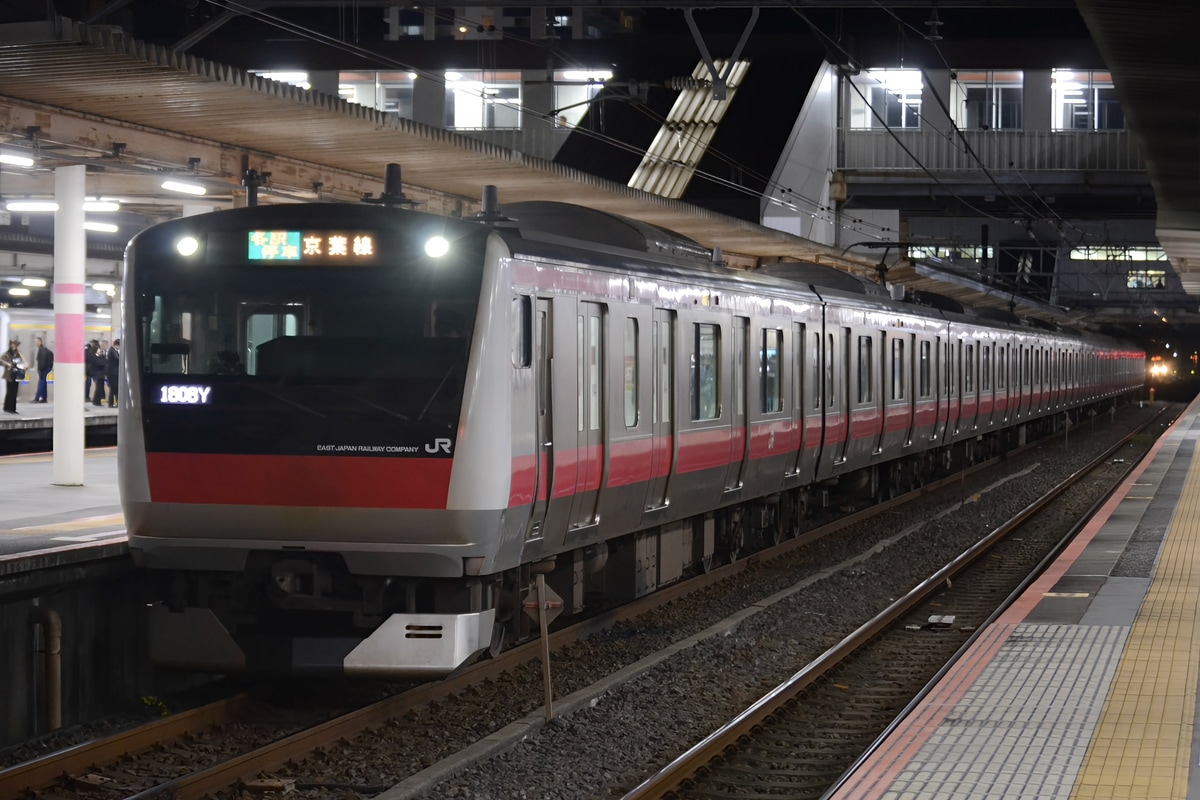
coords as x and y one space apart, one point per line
866 371
985 368
969 370
899 369
630 368
522 332
705 377
925 371
771 370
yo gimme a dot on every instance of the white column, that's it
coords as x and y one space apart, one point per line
70 275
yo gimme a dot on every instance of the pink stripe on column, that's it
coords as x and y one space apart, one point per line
69 328
69 288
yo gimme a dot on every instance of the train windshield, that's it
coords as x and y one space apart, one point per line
281 347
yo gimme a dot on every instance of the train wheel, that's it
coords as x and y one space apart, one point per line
496 646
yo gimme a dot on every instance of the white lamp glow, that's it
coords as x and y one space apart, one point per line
185 188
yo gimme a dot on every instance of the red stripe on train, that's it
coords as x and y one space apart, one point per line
299 481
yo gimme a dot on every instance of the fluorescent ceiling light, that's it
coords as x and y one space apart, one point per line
100 227
37 283
103 287
18 292
186 188
16 161
31 205
587 74
101 205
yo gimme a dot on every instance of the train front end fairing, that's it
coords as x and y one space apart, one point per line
297 377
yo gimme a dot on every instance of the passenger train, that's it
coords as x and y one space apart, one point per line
351 435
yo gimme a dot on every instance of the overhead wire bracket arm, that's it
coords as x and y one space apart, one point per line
719 79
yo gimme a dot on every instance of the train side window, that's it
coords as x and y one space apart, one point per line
522 332
899 378
631 373
866 373
969 370
985 369
705 377
925 370
771 370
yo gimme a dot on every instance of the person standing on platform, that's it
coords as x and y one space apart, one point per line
43 358
97 361
14 372
88 349
112 371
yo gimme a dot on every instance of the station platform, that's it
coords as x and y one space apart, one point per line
40 416
1086 687
72 522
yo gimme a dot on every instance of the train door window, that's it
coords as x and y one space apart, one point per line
815 360
741 338
866 371
631 367
705 378
925 371
522 332
664 363
543 355
985 368
770 368
969 370
899 367
1002 367
830 394
580 370
594 362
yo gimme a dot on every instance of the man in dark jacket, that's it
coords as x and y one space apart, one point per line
44 359
112 371
97 360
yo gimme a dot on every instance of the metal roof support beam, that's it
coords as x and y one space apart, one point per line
719 78
110 7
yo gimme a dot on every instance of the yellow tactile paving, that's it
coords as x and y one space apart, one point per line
1142 746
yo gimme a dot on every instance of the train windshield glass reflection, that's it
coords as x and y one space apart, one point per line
386 342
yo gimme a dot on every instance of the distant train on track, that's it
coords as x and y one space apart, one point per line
350 435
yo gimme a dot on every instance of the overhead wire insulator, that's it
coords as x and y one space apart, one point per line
680 84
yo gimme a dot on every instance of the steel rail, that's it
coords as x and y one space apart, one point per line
670 776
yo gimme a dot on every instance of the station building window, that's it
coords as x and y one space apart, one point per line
483 100
386 91
1146 279
885 98
988 99
574 90
1085 101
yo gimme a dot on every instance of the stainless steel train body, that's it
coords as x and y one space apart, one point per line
347 451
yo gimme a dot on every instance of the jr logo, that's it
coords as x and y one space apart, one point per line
442 445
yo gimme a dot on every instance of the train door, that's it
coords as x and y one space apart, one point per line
543 461
663 449
907 383
797 395
879 368
737 434
941 372
589 380
839 392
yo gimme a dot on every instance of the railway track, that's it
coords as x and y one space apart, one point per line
801 737
93 770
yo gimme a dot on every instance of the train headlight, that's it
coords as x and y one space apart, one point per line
187 246
436 247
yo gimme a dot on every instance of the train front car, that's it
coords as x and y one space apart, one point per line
297 376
